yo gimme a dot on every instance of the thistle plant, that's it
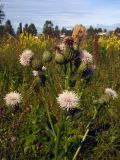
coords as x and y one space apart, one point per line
69 100
77 65
58 110
101 103
26 57
12 99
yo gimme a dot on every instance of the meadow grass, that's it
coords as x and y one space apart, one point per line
30 123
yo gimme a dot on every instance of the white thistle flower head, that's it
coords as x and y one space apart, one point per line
111 93
68 100
12 98
26 57
44 68
86 57
35 73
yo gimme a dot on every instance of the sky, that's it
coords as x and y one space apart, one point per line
64 13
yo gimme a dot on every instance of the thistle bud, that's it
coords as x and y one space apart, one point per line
68 41
104 99
69 54
59 58
109 95
36 65
81 68
47 57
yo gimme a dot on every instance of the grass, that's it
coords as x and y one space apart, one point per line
30 123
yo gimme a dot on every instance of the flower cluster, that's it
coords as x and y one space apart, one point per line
111 42
68 100
26 57
68 41
111 93
44 68
35 73
86 57
12 99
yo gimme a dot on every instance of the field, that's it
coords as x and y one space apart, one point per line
44 124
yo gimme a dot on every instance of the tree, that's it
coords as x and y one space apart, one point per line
63 30
99 30
90 30
25 29
8 28
19 29
105 30
32 29
117 30
1 30
48 28
2 15
56 31
66 31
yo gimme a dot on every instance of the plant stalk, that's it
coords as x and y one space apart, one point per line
86 133
49 118
58 136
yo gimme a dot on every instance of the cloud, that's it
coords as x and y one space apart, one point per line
63 12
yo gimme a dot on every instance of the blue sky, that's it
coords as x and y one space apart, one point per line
62 12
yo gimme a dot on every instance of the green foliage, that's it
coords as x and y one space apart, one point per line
2 15
66 31
91 30
117 30
48 28
32 29
29 29
19 29
56 31
8 28
36 122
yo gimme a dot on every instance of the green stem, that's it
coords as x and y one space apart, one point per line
58 136
49 118
86 133
78 149
67 72
65 69
53 90
67 78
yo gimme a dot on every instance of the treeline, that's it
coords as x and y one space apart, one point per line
48 28
92 31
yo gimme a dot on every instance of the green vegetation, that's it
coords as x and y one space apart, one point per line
38 128
58 101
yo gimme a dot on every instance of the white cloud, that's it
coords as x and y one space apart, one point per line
63 12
